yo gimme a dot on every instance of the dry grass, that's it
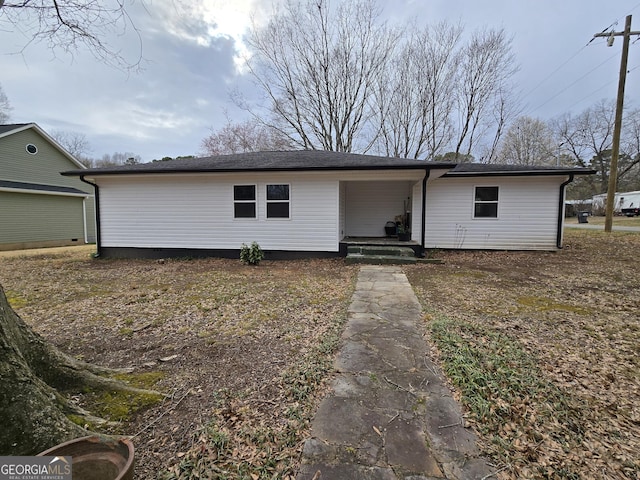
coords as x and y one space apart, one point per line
543 350
244 352
618 221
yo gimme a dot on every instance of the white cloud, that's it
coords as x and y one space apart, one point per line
201 23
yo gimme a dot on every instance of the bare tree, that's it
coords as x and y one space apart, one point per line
5 107
529 141
415 97
486 66
76 144
35 415
247 136
629 170
587 139
317 67
117 158
506 107
66 25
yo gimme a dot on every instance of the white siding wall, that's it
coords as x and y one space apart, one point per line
527 214
369 205
196 211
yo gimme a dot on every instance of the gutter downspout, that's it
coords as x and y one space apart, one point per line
561 210
97 201
424 211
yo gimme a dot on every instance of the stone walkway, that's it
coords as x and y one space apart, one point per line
390 415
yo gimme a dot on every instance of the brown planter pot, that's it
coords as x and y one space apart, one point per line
404 237
95 458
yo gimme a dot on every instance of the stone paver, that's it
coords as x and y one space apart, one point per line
390 415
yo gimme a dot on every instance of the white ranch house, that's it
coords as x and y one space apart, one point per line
309 203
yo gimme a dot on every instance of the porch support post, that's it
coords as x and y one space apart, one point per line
424 211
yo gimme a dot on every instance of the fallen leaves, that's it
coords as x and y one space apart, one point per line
245 350
576 315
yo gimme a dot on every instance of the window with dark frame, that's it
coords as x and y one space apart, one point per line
485 203
244 201
278 201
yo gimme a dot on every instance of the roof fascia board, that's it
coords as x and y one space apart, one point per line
17 130
94 173
44 192
519 174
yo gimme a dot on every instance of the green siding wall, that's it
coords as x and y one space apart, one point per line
40 218
36 217
44 167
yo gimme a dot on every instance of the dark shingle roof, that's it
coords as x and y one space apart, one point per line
13 126
265 161
316 160
489 169
40 187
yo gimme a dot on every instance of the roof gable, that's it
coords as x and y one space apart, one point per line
15 128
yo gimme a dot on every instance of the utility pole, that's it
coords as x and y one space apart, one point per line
617 127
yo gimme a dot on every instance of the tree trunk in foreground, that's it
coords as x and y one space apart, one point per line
33 412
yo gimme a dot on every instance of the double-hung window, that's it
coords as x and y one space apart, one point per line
244 201
278 201
485 203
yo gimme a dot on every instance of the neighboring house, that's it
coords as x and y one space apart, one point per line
621 200
313 202
38 206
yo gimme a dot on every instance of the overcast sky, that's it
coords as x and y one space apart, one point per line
191 66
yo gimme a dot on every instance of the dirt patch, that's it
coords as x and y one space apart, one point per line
229 340
575 315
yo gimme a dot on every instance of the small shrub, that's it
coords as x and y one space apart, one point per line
251 255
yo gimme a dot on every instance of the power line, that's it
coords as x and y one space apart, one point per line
563 64
573 83
555 71
599 88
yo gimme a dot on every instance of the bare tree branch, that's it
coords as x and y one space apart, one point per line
415 98
317 67
486 65
69 25
5 107
248 136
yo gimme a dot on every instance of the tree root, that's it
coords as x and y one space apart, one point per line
33 373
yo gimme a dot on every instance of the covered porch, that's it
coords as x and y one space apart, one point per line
366 207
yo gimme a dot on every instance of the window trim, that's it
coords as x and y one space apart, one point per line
267 202
485 202
35 148
254 201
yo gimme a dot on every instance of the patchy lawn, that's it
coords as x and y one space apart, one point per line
243 352
542 348
544 351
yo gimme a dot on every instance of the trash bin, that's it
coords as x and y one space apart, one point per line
582 217
390 229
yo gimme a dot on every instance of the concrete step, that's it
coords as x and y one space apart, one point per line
356 258
380 250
